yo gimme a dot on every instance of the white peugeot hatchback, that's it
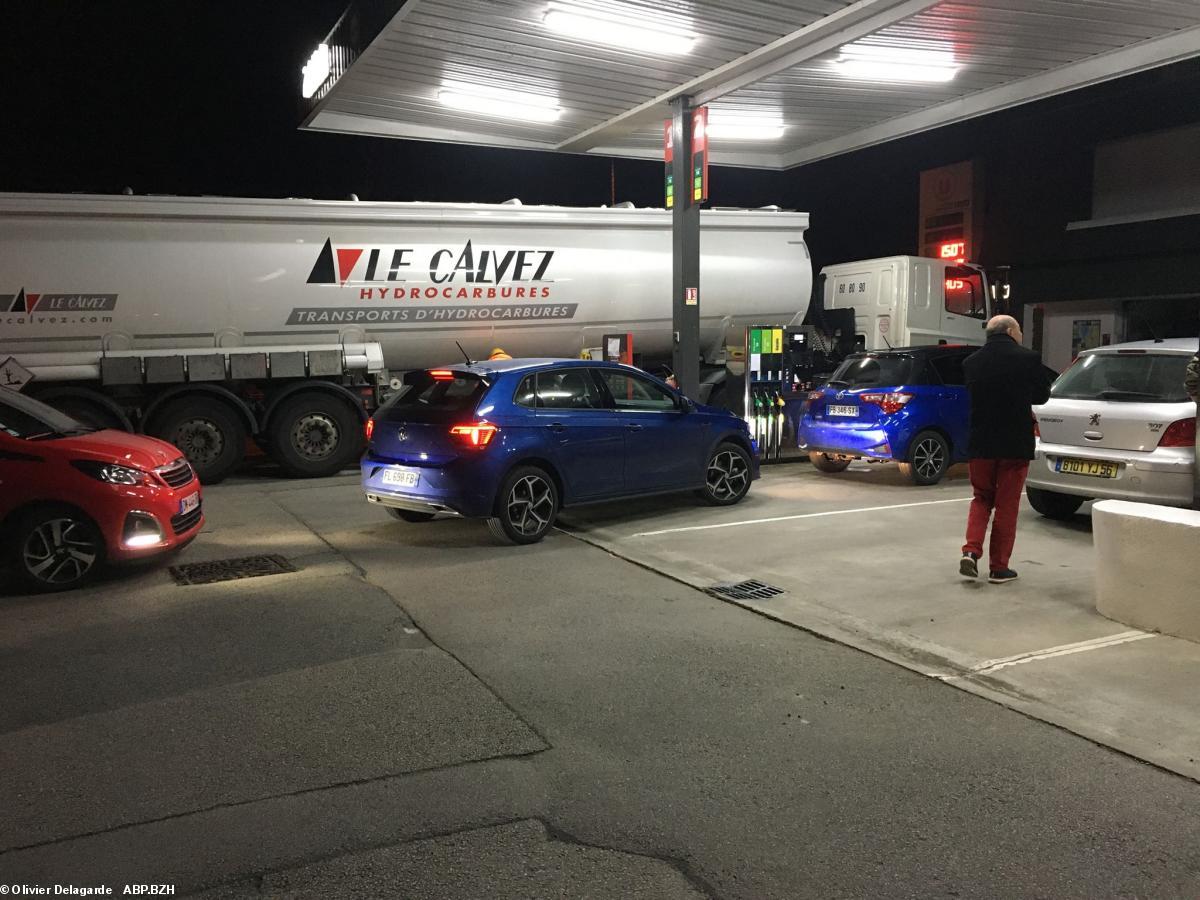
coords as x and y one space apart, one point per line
1119 425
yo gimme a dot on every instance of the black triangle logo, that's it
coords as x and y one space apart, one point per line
322 272
18 305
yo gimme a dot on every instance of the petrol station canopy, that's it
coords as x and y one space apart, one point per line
787 81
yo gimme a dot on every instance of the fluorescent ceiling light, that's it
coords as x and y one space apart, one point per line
490 101
625 33
315 71
746 131
869 62
734 127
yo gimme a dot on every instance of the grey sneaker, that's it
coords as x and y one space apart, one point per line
1002 576
968 566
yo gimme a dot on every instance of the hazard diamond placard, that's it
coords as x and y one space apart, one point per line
13 375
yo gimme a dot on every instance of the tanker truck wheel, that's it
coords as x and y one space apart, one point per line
210 434
85 407
313 435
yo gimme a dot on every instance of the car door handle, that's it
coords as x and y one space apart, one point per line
557 427
633 427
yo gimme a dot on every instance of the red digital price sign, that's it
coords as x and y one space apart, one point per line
955 250
955 284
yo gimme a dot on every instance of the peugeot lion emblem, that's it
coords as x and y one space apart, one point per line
1095 419
402 433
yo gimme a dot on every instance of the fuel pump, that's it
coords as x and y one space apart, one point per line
765 380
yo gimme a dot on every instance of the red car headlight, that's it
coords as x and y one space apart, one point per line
112 473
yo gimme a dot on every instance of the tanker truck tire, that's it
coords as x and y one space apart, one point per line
314 435
210 434
85 409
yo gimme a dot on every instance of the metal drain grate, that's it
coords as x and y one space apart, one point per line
745 590
230 569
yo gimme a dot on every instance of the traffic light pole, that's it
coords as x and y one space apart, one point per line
685 256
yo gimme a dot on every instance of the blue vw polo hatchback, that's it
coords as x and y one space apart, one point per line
909 405
514 441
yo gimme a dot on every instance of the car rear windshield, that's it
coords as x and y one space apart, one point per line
883 370
1132 377
437 399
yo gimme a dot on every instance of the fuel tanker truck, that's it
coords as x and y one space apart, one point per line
206 320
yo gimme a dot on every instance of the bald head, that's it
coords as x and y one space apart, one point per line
1004 325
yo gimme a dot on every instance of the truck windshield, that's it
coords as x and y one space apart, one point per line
439 397
25 417
964 292
884 370
1132 377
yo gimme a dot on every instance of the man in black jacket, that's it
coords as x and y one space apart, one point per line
1004 380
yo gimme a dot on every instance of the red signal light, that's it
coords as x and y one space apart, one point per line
441 374
370 428
475 436
1179 434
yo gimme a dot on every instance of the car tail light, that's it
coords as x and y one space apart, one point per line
815 395
441 374
1037 429
370 428
1179 434
476 436
889 403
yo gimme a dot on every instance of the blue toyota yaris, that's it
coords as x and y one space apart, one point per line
514 441
908 404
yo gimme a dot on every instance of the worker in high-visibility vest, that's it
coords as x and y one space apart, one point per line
498 353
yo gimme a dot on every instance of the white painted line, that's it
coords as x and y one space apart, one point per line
832 512
994 665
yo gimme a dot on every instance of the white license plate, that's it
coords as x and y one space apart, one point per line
1088 467
842 410
397 478
190 502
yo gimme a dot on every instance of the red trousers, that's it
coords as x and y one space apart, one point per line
997 484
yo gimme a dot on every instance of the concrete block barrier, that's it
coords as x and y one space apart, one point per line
1148 566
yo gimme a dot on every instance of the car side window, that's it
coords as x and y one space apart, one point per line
19 424
526 394
949 367
632 392
568 389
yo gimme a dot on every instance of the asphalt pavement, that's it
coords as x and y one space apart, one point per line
418 712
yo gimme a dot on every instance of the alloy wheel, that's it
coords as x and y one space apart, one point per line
59 551
929 457
315 436
727 475
530 506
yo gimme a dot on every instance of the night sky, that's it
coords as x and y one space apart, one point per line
184 97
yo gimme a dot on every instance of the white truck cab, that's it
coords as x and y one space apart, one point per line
907 301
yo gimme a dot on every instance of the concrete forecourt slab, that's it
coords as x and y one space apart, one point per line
477 720
871 562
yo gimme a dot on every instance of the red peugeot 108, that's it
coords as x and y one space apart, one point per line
73 498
